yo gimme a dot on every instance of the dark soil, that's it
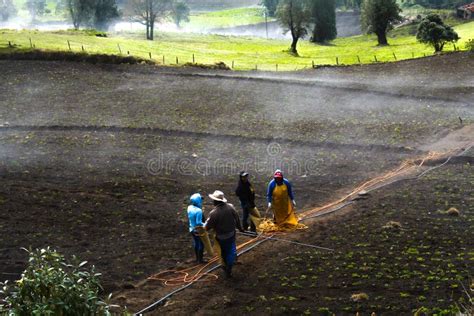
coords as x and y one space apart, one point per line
99 160
419 267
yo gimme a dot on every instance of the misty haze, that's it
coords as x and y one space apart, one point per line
252 157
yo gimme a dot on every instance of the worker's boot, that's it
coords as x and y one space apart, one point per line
201 257
197 255
228 271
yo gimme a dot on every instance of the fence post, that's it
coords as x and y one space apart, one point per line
276 67
31 43
312 63
358 59
83 48
163 59
10 44
394 56
375 58
337 60
412 55
232 64
69 44
424 54
120 50
256 67
454 46
194 60
177 61
149 54
128 52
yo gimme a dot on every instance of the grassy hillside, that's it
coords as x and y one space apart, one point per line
245 52
226 18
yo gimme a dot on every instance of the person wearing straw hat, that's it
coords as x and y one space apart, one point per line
224 220
246 194
281 200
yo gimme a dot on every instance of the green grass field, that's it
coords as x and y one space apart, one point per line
246 53
226 18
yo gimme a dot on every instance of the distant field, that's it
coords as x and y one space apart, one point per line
246 53
226 18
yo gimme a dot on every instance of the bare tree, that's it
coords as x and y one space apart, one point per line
148 12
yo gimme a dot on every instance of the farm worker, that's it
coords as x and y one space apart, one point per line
195 217
246 194
224 219
281 200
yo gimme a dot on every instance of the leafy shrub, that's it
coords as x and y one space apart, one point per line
51 286
470 45
434 32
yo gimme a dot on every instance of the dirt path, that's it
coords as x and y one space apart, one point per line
453 140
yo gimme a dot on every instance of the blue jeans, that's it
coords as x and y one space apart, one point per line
197 243
228 251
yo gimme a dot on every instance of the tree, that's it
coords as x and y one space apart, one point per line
378 16
7 9
434 32
180 13
104 12
271 6
324 19
92 13
35 8
148 12
295 17
80 11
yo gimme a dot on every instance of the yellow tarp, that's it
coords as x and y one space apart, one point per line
205 240
282 208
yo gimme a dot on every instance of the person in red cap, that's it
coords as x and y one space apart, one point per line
281 200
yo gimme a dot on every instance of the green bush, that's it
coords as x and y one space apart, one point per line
470 45
434 32
51 286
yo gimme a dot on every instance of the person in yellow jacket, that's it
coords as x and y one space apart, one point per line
281 200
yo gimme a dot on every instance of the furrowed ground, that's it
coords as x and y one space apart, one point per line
99 161
419 266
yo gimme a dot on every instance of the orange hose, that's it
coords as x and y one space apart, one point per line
179 277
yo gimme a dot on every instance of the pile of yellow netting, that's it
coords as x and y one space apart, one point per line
269 226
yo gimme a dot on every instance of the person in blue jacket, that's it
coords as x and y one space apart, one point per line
196 218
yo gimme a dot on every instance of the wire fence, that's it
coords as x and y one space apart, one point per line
193 58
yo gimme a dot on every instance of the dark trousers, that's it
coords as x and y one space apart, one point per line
245 219
228 252
198 246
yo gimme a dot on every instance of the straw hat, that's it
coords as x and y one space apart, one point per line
218 196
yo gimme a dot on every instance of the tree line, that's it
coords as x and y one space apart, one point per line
300 17
99 14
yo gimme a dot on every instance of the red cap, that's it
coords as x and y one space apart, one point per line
278 174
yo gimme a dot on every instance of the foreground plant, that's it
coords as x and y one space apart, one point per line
51 286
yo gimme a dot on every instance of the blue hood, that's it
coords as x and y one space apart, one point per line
196 200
